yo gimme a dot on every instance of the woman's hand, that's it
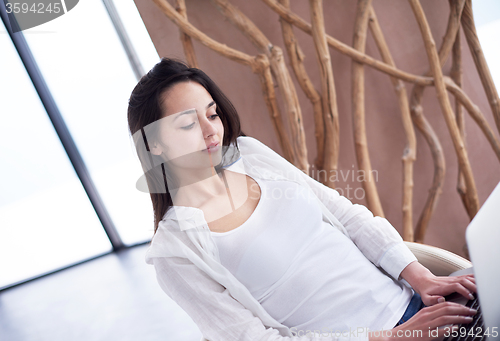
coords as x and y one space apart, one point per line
432 288
423 325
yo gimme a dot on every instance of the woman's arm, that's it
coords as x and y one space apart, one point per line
432 288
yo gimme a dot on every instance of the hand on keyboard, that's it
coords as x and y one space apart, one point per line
433 288
423 325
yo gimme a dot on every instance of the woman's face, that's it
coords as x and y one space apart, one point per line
190 134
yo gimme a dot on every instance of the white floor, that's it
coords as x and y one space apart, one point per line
114 297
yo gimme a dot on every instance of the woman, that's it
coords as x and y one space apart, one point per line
252 248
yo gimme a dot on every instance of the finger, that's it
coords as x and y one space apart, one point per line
449 309
433 299
469 278
462 290
470 284
450 319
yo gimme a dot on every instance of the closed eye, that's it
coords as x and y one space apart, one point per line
188 126
213 117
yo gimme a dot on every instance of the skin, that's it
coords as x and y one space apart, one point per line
182 140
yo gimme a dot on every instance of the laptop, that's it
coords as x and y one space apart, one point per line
483 241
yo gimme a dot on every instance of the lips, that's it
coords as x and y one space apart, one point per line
212 147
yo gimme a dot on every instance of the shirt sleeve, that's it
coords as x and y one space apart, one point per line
218 315
374 236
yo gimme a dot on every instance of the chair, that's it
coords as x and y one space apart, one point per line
440 262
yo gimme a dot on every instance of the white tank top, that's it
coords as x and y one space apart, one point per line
305 273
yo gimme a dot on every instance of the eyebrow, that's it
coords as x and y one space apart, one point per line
185 112
192 111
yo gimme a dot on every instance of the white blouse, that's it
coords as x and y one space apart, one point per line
307 275
188 266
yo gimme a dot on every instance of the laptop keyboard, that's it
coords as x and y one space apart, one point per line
470 331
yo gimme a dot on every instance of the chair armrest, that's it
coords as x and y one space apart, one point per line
440 262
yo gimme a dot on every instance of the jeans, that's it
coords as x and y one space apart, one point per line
415 305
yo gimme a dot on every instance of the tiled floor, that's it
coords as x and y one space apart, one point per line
115 297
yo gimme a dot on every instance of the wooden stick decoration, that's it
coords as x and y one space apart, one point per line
437 153
475 113
187 44
410 152
358 56
417 95
444 102
296 57
280 72
358 110
456 76
452 29
329 96
258 65
481 65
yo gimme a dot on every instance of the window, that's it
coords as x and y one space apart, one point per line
46 219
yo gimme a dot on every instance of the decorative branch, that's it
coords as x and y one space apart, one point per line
280 72
417 94
296 57
263 70
193 32
410 152
187 44
480 61
475 114
293 109
452 29
329 97
439 170
442 95
358 109
358 56
456 76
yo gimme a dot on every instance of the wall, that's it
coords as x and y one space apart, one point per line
386 137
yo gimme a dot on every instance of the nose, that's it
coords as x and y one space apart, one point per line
207 128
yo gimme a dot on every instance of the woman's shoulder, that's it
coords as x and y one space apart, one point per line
252 147
169 239
182 217
249 142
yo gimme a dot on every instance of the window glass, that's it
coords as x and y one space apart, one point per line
90 77
46 219
137 33
487 20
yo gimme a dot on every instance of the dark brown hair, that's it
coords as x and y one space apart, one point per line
145 107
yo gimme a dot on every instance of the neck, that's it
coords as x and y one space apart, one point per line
197 187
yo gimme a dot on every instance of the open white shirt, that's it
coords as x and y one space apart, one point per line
189 269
